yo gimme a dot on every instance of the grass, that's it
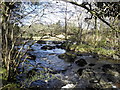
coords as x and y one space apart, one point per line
88 48
6 85
10 86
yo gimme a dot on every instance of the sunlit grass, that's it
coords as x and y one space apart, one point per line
87 48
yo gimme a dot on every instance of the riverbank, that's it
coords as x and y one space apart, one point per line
49 64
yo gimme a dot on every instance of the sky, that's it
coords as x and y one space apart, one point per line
51 11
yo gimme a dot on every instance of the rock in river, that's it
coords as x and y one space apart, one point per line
30 56
56 42
68 56
47 47
38 84
81 62
91 64
41 42
55 83
79 71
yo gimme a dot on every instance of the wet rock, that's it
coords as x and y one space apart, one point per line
58 71
41 42
117 67
62 56
69 57
56 42
106 67
69 86
38 84
59 46
79 54
32 57
84 54
81 62
30 50
63 45
47 47
111 78
82 84
90 87
55 83
80 71
95 55
112 73
91 64
52 54
94 81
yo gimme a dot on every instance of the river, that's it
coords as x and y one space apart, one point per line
42 68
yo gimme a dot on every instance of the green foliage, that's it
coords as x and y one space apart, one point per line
104 51
11 86
82 48
108 8
87 48
101 43
3 73
40 29
2 70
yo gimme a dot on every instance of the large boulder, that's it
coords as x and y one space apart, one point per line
81 62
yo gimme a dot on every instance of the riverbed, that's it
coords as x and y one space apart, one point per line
43 68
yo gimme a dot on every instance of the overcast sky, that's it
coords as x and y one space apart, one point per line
50 11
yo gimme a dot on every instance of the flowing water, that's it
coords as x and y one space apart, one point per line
53 71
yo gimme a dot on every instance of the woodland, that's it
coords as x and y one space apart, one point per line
80 49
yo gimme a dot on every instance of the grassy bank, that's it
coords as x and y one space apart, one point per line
83 48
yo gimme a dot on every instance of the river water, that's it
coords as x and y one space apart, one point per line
45 69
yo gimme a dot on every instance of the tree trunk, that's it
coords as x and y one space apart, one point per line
66 23
6 37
